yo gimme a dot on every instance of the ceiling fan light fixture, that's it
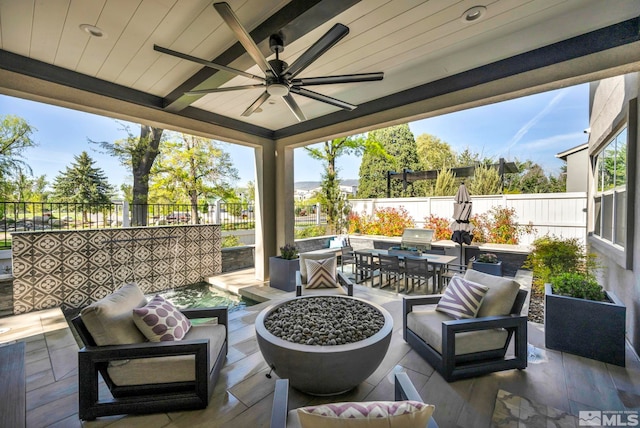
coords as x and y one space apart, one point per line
474 14
278 89
93 30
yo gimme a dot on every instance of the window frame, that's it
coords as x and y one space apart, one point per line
623 256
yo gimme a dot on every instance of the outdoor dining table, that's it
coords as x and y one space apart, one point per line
438 261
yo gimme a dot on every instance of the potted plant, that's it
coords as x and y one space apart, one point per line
580 317
283 268
583 319
488 263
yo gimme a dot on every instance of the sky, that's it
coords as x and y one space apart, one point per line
536 127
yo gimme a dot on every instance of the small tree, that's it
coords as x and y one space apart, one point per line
83 183
486 181
445 183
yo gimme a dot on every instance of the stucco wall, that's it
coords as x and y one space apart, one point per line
73 268
609 109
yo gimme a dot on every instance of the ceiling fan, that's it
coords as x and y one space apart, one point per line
279 77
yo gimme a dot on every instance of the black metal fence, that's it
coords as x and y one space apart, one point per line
29 216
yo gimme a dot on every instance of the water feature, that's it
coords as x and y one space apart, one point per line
205 295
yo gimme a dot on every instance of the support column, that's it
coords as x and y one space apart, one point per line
285 206
265 209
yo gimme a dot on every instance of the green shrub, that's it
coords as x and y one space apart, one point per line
230 241
487 258
578 284
311 231
552 256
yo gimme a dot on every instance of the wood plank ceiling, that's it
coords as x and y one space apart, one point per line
415 43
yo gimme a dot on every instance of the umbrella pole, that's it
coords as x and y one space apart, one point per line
461 257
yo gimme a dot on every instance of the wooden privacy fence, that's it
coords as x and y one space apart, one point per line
560 214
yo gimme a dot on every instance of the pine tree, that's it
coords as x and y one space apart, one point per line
82 183
400 152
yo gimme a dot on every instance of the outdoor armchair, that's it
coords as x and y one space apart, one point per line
282 417
324 278
143 376
463 348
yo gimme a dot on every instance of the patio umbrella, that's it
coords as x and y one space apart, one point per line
462 229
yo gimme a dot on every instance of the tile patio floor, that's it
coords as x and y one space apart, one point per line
553 384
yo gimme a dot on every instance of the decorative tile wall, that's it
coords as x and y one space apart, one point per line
73 268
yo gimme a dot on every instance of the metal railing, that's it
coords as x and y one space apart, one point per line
310 215
30 216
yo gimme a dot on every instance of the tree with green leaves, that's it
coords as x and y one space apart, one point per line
434 153
15 139
399 153
138 153
486 181
446 184
27 188
330 195
83 183
190 167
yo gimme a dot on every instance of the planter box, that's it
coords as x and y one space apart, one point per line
587 328
490 268
282 273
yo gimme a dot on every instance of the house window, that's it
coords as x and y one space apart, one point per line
610 198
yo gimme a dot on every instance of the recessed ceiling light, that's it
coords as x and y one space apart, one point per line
474 14
93 30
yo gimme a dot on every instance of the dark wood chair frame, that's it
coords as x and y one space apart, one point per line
342 280
403 388
453 367
151 398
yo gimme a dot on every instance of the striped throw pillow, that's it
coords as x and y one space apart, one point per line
321 273
372 414
462 299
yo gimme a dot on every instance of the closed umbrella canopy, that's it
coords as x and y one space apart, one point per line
461 228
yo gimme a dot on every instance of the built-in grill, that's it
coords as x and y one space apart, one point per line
417 238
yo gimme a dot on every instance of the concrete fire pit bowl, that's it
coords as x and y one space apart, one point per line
324 368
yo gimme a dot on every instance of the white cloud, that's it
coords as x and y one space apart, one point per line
534 121
558 142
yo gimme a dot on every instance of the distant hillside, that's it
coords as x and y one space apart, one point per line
308 185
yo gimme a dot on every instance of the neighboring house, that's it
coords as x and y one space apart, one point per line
613 190
577 160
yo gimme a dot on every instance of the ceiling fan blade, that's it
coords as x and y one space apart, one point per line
320 97
345 78
294 107
205 62
256 104
331 37
243 36
225 89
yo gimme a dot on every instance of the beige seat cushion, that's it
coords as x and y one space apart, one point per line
169 369
501 295
110 319
311 256
427 324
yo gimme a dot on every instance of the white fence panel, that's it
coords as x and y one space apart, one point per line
560 214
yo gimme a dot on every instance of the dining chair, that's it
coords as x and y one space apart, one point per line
418 269
390 268
347 257
366 266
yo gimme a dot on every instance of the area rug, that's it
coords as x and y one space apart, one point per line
513 411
